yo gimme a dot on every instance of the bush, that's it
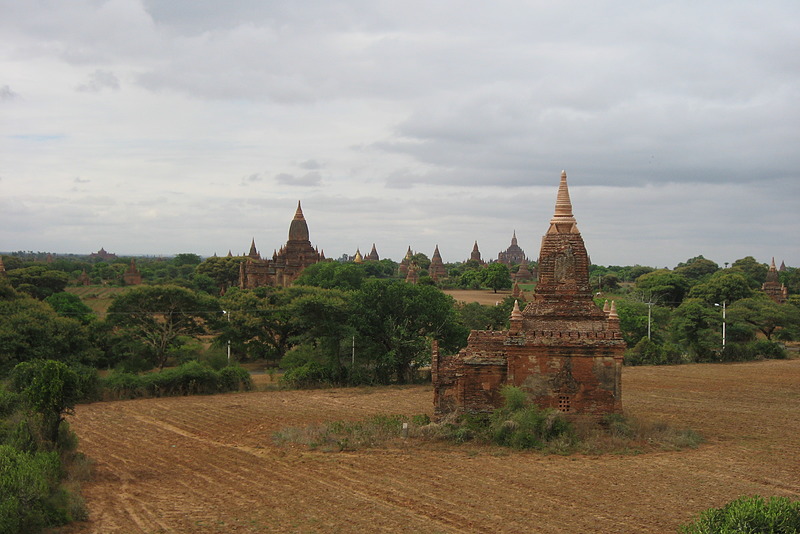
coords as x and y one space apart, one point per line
191 378
234 378
778 515
28 482
307 375
522 425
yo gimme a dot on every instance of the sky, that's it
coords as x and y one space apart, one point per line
157 127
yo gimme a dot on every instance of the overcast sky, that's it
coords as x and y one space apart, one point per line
169 126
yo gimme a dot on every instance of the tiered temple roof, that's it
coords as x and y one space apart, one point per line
513 254
773 287
286 264
437 270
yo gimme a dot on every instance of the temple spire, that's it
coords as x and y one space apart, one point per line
563 221
298 215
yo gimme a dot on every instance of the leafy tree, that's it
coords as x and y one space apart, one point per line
754 271
156 316
258 322
471 279
30 329
696 268
38 281
50 388
186 259
722 286
764 314
395 321
422 261
380 269
663 285
638 270
496 276
696 327
224 271
320 321
334 275
476 316
70 305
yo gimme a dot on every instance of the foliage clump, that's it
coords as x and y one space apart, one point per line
776 515
519 424
192 378
40 471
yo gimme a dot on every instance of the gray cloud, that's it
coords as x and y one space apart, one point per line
7 94
309 179
434 123
99 80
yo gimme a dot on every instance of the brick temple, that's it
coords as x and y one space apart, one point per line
562 349
286 264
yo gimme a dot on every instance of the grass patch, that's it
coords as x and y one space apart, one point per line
518 425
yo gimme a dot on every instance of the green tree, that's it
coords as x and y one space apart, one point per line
696 327
475 316
38 281
224 271
258 322
320 320
156 316
50 388
764 314
697 268
30 329
333 275
395 322
663 285
496 276
470 279
754 271
70 305
722 286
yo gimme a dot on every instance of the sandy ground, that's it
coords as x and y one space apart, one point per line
208 464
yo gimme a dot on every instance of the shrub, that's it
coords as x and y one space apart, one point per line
307 375
234 378
27 483
778 515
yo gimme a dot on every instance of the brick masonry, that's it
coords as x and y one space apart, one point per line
562 349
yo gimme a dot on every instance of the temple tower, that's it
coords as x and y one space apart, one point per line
562 349
773 287
437 270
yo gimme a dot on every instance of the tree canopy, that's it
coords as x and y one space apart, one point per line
157 316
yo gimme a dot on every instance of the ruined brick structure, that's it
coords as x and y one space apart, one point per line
562 349
523 274
132 276
773 287
437 270
513 254
83 279
406 262
475 255
373 254
286 264
103 255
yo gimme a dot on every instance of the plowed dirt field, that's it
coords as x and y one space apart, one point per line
208 464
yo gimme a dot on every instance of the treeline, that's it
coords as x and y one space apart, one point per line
348 323
676 315
340 324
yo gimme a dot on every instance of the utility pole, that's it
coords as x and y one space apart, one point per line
229 339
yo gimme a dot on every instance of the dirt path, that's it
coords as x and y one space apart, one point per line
207 464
